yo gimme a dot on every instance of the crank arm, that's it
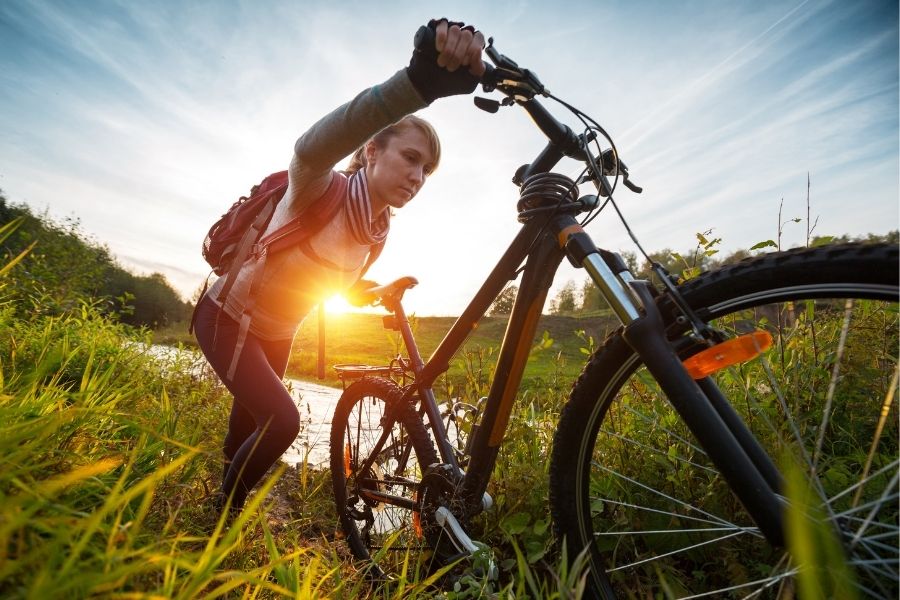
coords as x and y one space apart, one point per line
480 554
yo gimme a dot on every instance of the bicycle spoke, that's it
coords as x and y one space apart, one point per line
862 528
674 552
655 424
883 526
656 451
885 535
669 531
807 460
764 583
879 566
672 514
864 507
870 544
858 484
665 496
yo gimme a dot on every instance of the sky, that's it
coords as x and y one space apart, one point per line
146 120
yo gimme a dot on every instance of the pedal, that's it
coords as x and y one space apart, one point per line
480 554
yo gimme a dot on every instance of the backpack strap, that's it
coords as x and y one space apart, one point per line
312 219
247 244
244 323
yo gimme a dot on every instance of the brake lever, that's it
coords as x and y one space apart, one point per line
501 61
506 73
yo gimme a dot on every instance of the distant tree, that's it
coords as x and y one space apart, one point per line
891 237
590 296
665 257
683 265
630 259
504 303
566 299
147 300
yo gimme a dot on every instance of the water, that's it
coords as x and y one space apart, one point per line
316 404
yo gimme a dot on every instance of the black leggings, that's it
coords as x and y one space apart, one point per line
264 420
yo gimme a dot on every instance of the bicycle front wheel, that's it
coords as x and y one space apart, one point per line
379 451
630 484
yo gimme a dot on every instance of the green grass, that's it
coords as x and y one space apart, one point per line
109 460
359 338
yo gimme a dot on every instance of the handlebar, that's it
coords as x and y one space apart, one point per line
521 86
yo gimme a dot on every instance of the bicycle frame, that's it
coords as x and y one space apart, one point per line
541 245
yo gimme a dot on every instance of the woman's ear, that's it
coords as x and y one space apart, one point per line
371 152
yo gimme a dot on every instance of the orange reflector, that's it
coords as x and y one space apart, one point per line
417 524
740 349
347 460
417 520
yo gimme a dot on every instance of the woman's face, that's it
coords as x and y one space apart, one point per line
398 171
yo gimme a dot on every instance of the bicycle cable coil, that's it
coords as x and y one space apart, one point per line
545 192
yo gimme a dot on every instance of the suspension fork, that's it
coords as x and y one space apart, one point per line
720 431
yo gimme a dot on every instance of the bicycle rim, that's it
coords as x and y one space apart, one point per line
370 465
655 512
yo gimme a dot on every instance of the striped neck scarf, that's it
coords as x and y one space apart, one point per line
365 231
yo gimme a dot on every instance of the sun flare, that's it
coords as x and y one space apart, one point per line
337 305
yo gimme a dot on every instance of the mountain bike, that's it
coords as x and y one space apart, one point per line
728 412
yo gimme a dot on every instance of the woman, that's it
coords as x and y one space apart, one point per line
395 153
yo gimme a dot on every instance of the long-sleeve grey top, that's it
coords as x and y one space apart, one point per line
292 282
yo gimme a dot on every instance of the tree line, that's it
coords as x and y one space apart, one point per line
63 268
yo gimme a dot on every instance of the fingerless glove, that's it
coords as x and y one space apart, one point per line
433 81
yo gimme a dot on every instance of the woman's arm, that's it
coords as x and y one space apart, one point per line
342 131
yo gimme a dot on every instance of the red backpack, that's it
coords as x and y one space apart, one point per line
235 237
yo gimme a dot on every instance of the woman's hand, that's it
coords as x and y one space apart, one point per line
435 70
459 45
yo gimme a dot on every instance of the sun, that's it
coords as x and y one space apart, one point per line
337 305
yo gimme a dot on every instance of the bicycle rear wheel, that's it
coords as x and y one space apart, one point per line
630 483
379 452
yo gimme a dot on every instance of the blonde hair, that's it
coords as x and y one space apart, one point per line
380 139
